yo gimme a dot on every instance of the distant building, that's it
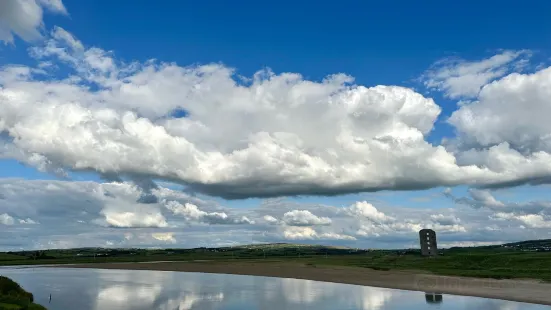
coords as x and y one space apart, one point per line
427 238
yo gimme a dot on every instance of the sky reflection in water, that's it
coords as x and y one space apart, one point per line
88 289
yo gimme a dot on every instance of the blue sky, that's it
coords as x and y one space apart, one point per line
444 51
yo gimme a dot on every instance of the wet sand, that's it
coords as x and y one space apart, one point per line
531 291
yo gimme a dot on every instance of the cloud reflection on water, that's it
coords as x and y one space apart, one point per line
89 289
166 290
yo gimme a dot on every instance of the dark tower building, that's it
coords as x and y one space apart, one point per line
427 237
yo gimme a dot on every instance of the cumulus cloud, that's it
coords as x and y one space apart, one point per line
6 219
132 219
77 214
445 219
288 135
120 210
458 78
87 212
374 223
309 233
192 213
508 117
28 221
304 218
535 220
485 199
299 233
270 219
532 214
366 210
24 17
167 237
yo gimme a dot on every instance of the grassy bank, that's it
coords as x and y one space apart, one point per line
499 262
14 297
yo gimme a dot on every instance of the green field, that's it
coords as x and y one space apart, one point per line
13 297
530 259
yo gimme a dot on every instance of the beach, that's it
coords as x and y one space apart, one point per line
525 290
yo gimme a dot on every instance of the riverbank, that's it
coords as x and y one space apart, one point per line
524 260
14 297
531 291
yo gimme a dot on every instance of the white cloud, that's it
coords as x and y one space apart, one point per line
192 213
304 218
24 17
299 233
445 219
528 220
535 220
54 5
485 199
287 136
76 214
458 78
533 214
366 210
508 117
309 233
167 237
335 236
61 36
270 219
6 219
374 223
374 229
28 221
132 219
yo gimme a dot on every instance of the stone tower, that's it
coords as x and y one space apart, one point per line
427 237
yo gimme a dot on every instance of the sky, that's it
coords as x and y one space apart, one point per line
135 124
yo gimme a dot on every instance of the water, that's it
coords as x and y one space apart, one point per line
87 289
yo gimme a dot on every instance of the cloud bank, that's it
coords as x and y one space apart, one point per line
268 135
61 214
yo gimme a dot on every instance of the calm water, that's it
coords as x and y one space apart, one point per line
85 289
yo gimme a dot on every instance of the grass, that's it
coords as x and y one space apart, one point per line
8 257
480 265
14 297
473 262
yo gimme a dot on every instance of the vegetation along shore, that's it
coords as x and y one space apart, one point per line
516 271
14 297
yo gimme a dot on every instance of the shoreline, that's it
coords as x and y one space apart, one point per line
529 291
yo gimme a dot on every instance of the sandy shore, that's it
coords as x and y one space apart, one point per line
530 291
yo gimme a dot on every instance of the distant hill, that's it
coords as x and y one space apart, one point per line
531 243
286 245
542 245
528 245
